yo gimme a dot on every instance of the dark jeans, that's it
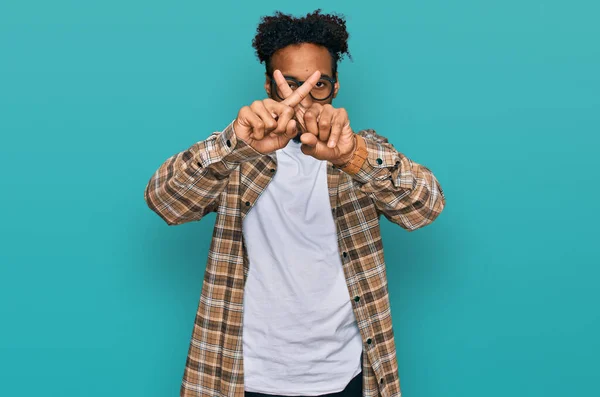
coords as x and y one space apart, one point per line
353 389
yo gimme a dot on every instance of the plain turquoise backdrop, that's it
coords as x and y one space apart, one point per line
500 99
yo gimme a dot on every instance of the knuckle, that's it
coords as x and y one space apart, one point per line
288 111
339 121
281 129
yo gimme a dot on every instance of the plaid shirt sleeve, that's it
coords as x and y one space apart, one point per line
405 192
187 185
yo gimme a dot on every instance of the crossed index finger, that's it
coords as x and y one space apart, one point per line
293 98
282 84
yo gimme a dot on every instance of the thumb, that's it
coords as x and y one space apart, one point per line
309 144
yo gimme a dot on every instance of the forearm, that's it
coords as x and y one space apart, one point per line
405 192
187 185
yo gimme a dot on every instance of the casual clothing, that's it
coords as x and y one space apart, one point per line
352 389
224 174
300 336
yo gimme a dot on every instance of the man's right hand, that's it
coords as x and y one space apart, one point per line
269 125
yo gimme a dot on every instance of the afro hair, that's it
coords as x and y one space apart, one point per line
280 30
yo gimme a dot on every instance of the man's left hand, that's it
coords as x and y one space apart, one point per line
328 135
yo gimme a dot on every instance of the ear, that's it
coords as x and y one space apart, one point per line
268 84
336 86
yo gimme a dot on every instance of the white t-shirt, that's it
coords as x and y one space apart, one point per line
300 335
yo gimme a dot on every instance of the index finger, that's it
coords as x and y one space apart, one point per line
301 92
282 84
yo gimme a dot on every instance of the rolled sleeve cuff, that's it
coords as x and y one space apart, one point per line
228 149
384 162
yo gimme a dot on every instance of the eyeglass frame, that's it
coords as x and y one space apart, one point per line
332 80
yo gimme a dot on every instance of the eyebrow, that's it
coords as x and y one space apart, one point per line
296 78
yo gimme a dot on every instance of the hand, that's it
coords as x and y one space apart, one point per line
269 125
284 88
327 134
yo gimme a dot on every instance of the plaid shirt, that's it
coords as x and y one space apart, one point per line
226 175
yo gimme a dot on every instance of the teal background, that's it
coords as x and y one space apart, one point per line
499 297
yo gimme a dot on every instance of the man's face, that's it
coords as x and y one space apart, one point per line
299 61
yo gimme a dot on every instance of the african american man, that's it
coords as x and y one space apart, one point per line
295 296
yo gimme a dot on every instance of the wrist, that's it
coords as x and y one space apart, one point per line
345 159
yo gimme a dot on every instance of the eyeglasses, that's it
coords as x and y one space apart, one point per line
322 91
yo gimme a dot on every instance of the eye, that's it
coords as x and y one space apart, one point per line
323 85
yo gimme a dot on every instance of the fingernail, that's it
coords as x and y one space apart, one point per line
331 144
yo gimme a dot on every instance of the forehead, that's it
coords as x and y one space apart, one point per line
301 60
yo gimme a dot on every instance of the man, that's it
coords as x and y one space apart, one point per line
294 300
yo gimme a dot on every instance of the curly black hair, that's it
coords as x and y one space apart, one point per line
280 30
